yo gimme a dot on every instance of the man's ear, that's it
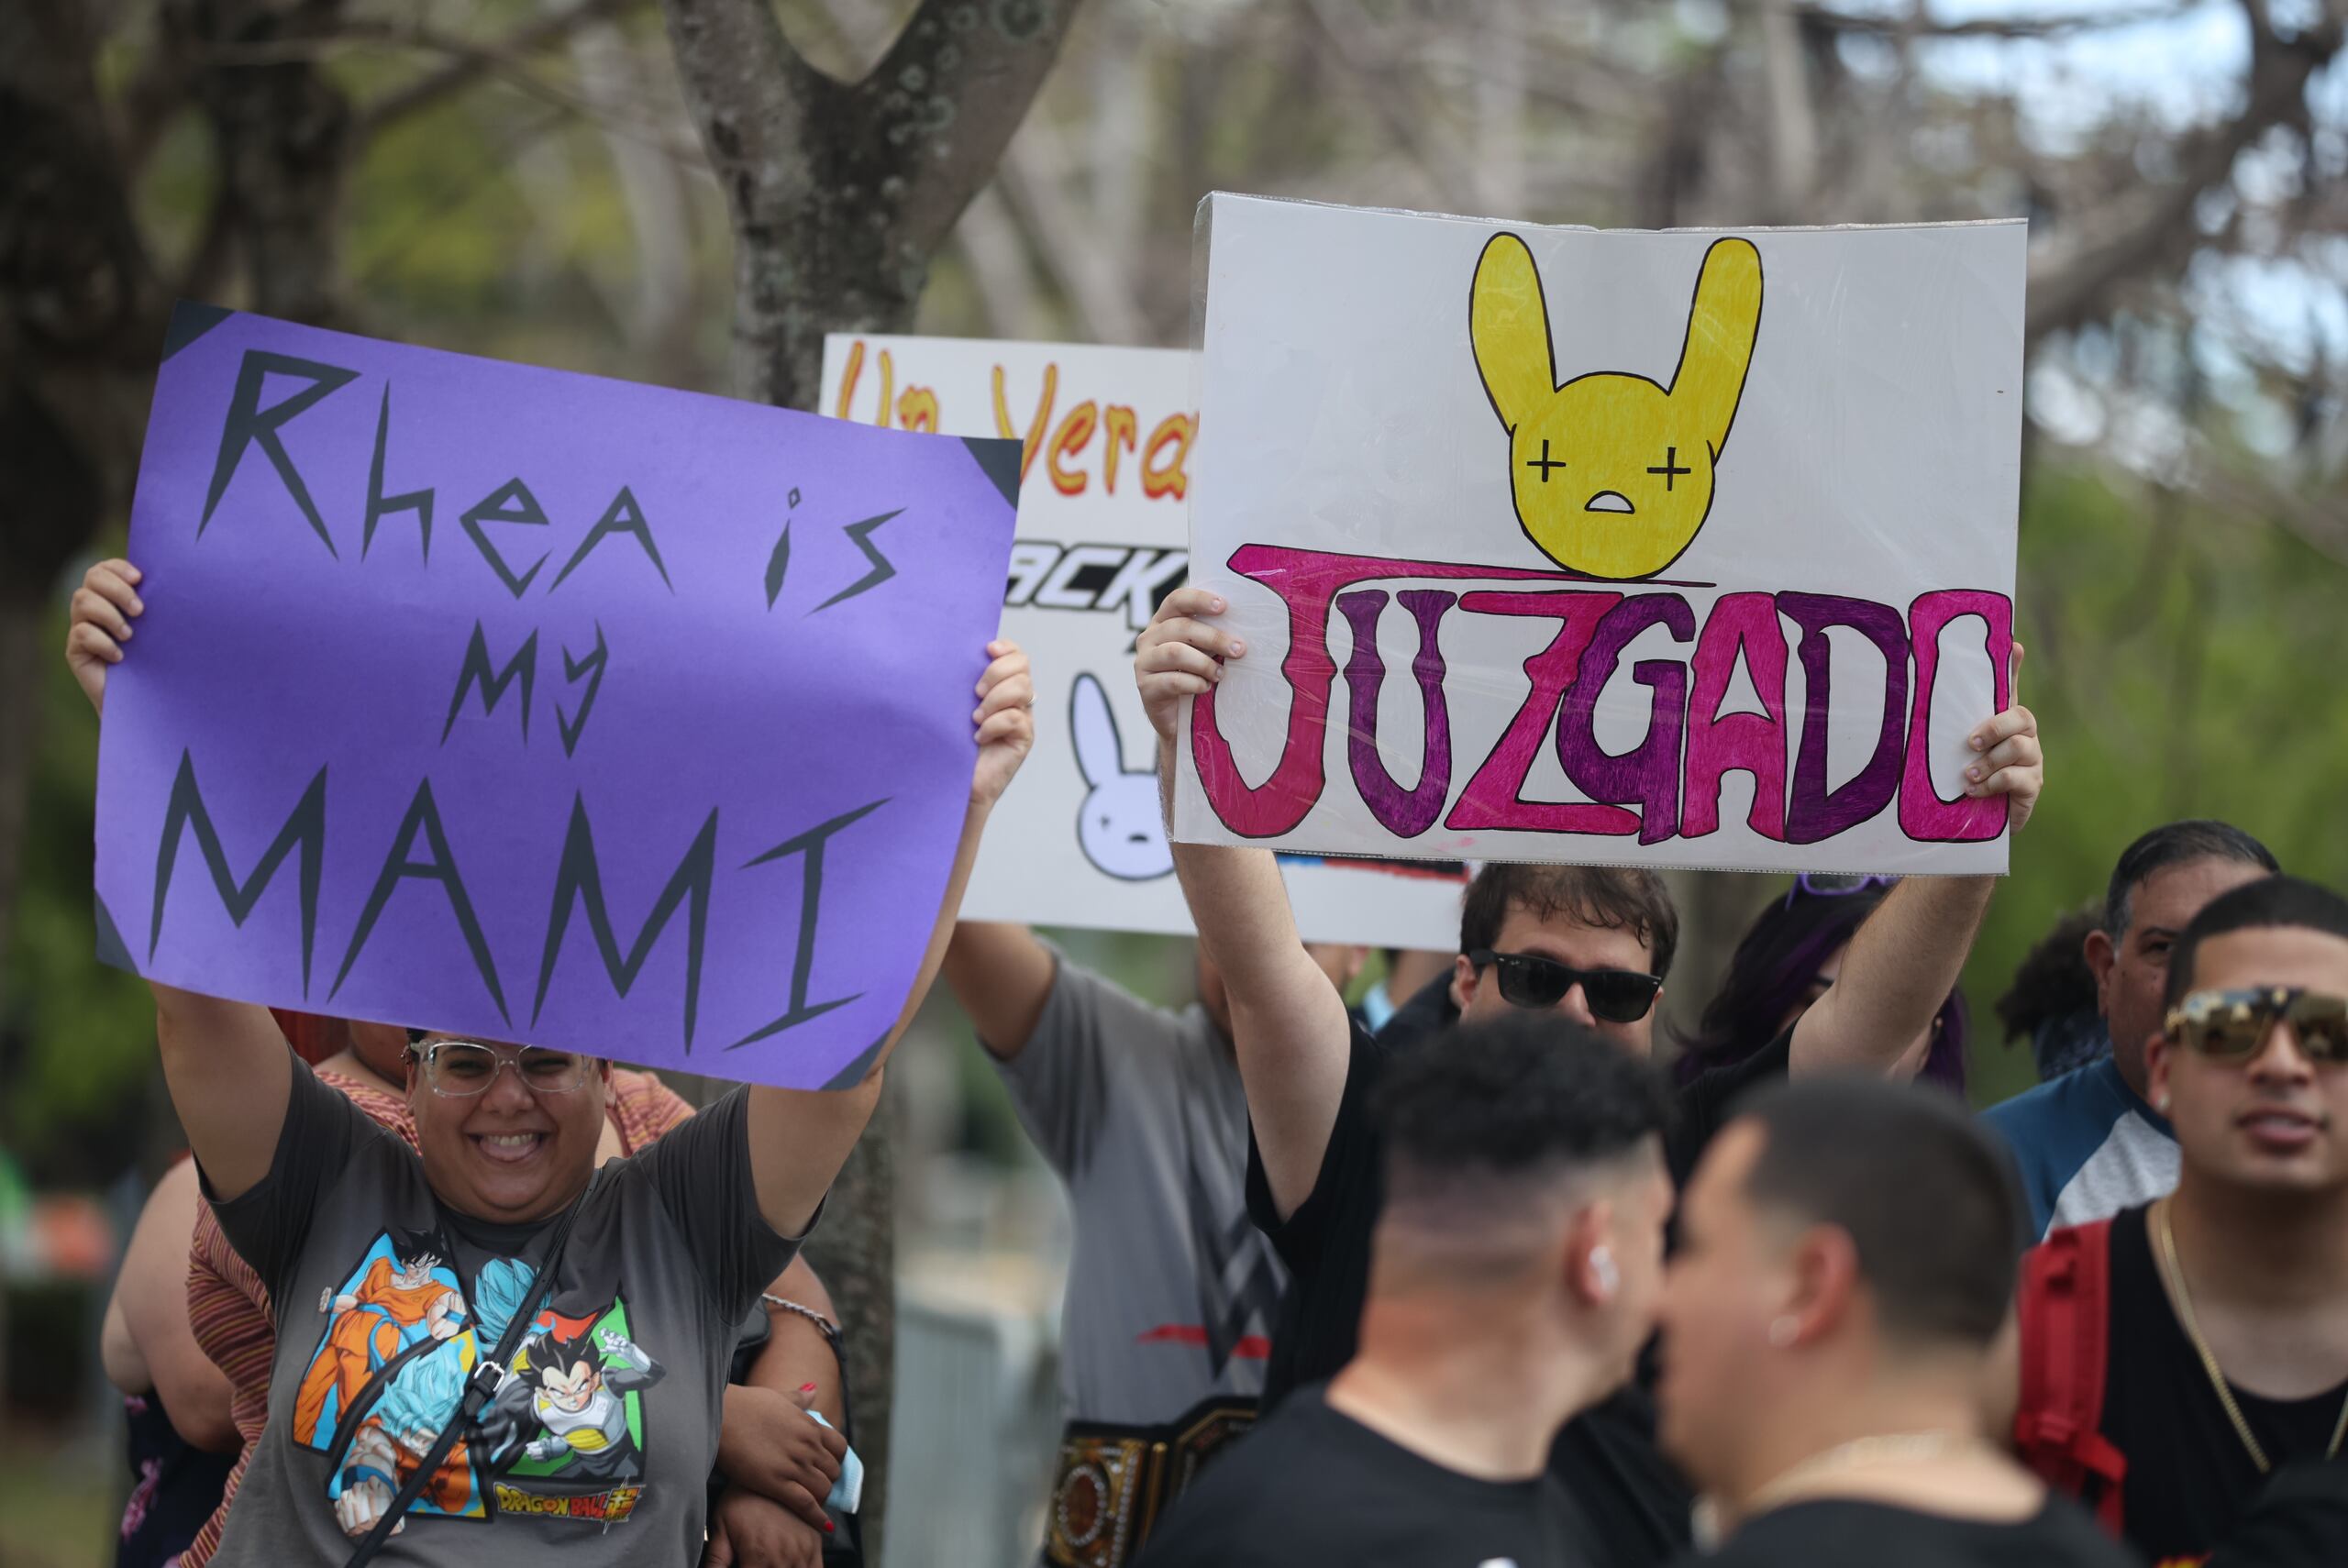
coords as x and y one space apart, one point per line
1722 324
1825 1267
1593 1274
2101 955
1508 321
2157 1062
1464 978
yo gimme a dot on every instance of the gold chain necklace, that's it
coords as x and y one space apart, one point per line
2173 1276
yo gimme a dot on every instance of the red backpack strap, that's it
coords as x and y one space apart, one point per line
2065 1307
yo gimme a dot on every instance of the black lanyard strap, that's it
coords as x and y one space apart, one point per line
482 1387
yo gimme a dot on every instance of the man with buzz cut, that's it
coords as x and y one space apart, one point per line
1518 1259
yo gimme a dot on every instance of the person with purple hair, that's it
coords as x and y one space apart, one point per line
1789 958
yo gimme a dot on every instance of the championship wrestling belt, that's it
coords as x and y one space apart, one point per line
1114 1482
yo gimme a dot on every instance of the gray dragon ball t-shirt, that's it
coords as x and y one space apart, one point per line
599 1441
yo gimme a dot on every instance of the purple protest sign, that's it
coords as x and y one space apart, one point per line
535 706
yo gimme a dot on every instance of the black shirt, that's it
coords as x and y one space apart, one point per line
1636 1502
1326 1243
2300 1521
2189 1478
174 1486
1309 1485
1834 1533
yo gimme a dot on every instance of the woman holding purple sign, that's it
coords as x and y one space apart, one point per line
485 1328
1791 956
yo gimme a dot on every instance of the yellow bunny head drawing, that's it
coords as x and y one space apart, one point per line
1613 472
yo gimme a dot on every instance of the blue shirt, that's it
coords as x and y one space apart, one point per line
2088 1146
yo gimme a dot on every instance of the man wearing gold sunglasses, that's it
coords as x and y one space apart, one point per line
2175 1357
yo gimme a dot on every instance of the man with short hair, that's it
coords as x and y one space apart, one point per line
1518 1259
1846 1255
2089 1144
1583 944
2174 1357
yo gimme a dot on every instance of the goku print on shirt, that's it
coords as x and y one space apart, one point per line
399 1344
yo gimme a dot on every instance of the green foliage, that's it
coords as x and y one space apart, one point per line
82 1036
2182 663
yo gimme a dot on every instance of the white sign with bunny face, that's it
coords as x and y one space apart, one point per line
1103 537
1661 549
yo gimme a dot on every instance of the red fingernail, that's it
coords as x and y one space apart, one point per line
806 1388
828 1527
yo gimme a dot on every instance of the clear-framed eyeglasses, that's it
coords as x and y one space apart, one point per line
460 1069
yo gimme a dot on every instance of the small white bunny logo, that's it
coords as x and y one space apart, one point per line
1118 826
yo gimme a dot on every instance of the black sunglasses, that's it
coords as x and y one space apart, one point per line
1528 981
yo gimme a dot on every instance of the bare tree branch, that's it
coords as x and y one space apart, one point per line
1893 23
1104 296
471 61
1793 125
998 263
2150 229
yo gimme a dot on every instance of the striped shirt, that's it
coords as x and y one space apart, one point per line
229 1307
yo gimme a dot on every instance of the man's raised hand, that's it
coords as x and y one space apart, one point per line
1179 656
103 607
1005 720
2011 762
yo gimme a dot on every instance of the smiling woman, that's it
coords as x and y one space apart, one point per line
508 1133
490 1254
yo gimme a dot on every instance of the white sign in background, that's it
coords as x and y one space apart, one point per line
1103 535
1805 452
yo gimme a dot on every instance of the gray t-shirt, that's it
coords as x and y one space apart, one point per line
1172 1290
598 1444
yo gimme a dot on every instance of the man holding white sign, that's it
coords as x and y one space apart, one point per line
1598 408
1309 1068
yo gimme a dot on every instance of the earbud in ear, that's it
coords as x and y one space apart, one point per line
1610 1278
1784 1330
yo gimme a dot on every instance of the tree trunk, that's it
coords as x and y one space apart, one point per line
840 194
285 132
79 326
